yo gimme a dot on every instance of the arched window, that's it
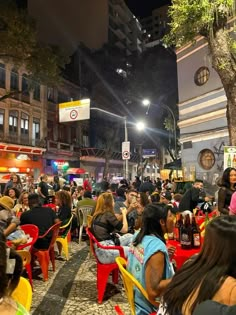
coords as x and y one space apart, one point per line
14 80
2 75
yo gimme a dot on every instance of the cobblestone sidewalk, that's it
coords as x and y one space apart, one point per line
72 288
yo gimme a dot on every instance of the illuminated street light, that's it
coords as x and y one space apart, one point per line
140 126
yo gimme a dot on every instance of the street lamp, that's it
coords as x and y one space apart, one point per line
124 118
146 102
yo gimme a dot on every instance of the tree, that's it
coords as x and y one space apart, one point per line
19 45
210 19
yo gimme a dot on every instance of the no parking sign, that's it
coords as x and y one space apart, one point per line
126 150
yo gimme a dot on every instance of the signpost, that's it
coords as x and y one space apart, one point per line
126 150
74 111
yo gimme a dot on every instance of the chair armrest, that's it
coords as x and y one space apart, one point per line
119 248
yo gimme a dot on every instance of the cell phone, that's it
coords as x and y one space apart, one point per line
134 199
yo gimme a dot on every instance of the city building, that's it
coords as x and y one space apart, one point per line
202 114
155 26
93 23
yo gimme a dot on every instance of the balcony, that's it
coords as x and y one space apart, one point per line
62 148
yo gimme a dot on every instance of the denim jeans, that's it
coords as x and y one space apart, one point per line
106 256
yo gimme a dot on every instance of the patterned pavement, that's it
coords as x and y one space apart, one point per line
72 288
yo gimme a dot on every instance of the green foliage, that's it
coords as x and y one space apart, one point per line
190 18
19 45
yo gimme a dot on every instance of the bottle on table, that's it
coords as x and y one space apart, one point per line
178 225
186 233
234 161
196 234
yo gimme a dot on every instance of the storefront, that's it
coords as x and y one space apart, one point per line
19 159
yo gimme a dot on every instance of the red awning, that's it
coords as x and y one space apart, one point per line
75 171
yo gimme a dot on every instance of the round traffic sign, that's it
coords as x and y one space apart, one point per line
73 114
126 154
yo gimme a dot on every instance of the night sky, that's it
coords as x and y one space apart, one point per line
142 8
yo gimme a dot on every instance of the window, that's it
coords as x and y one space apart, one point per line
2 112
36 94
25 85
24 124
36 129
206 159
51 94
62 98
201 76
13 122
85 140
2 75
14 80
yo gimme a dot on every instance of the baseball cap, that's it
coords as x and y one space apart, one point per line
166 195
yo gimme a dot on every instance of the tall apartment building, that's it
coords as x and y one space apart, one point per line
156 25
93 23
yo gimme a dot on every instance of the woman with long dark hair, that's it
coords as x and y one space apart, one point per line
148 259
227 188
210 275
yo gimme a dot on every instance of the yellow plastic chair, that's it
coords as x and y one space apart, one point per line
23 293
129 283
63 238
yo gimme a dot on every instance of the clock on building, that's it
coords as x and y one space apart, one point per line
206 159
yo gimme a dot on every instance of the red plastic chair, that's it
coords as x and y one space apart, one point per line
33 231
46 255
104 270
50 205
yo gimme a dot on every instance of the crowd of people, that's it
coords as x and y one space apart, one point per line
136 216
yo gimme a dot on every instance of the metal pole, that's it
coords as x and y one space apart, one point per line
174 123
126 139
126 173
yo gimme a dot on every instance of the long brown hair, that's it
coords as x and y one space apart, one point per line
105 203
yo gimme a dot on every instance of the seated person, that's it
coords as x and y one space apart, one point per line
23 203
8 222
104 223
213 308
148 259
43 217
10 272
211 275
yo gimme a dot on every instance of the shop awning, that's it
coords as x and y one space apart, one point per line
175 165
75 171
21 148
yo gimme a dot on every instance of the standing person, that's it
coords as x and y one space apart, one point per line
192 196
56 183
227 188
86 184
104 223
137 182
148 259
210 275
42 189
29 186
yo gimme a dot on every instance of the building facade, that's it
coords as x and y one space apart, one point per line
202 114
93 23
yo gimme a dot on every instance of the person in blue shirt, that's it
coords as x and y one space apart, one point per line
148 259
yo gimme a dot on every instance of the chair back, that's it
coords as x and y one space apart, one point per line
93 241
55 230
65 229
33 232
23 293
25 256
83 213
50 205
129 283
